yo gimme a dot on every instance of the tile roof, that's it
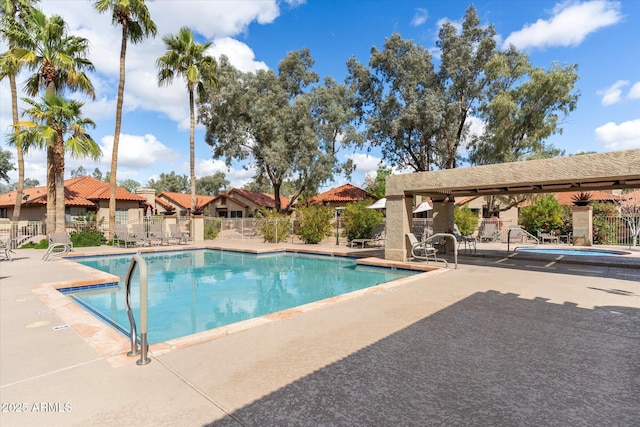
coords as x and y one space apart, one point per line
344 193
184 200
596 195
79 191
261 199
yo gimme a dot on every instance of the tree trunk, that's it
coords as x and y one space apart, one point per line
192 151
51 192
113 182
58 156
19 157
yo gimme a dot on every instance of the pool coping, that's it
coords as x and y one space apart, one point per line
113 345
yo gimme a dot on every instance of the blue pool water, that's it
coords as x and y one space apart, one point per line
193 291
576 252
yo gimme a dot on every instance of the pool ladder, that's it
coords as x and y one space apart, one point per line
144 314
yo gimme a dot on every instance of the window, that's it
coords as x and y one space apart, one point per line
3 213
236 214
122 216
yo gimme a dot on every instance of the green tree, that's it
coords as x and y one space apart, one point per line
545 214
360 221
285 124
465 219
13 12
604 232
212 185
378 185
524 106
59 124
97 174
170 182
135 21
79 171
129 184
187 59
59 61
420 117
5 164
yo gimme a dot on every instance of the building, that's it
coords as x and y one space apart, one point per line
239 203
83 195
341 196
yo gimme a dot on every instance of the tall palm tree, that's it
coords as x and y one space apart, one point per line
59 61
135 20
187 59
12 11
56 118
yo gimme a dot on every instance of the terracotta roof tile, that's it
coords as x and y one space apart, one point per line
596 195
80 191
344 193
261 199
184 200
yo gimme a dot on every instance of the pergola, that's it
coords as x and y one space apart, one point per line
603 171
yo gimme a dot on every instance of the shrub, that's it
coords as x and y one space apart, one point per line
274 227
42 244
87 238
314 223
359 221
465 220
212 229
544 215
604 232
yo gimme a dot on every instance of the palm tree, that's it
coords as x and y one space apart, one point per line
136 23
59 61
54 119
12 11
186 58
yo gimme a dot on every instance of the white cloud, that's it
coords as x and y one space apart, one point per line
365 163
240 55
420 17
569 25
634 92
612 94
623 136
137 151
238 177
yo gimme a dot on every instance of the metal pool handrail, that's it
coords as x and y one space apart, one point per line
523 231
144 315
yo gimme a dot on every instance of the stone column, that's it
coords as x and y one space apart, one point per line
582 225
197 228
443 220
399 216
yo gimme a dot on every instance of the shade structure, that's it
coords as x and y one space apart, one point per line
380 204
423 207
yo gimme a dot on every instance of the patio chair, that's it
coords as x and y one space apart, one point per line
6 248
469 241
177 236
423 250
548 237
139 234
155 235
489 232
121 235
59 244
377 236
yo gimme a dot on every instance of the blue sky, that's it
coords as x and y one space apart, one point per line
602 37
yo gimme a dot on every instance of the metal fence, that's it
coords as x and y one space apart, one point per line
614 230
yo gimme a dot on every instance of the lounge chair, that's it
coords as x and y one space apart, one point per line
176 236
469 241
155 235
6 248
376 237
548 237
121 235
59 244
423 250
489 232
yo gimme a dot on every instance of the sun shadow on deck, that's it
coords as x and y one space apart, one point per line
490 359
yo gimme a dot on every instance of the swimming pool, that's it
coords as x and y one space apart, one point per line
194 291
574 252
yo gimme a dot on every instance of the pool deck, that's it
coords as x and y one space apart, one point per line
505 339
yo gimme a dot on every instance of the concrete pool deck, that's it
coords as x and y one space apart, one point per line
502 340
